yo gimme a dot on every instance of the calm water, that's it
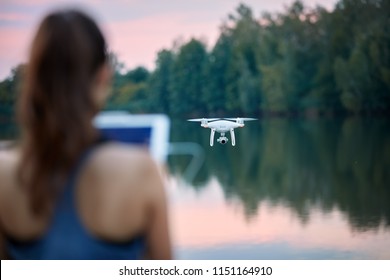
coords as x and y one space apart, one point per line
288 190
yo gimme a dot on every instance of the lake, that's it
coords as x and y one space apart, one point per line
289 189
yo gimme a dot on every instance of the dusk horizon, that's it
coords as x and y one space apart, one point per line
136 30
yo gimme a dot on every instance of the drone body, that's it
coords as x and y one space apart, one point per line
222 126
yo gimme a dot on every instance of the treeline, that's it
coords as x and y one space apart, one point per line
9 89
304 61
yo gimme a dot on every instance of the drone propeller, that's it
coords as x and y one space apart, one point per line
242 119
203 119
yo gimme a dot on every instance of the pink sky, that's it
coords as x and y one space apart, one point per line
136 29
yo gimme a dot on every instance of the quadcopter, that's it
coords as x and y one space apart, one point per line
222 125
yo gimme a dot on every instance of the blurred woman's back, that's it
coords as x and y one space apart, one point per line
66 193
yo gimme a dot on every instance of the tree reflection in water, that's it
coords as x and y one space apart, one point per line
302 164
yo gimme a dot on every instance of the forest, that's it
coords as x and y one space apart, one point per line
305 62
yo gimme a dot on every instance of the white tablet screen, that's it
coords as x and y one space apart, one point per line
148 130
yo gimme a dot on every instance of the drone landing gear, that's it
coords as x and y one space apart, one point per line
212 137
233 137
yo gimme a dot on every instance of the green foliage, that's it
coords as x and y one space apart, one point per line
361 73
160 82
129 91
9 89
301 61
188 79
218 65
243 91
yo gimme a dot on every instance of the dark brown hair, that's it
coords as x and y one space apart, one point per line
56 105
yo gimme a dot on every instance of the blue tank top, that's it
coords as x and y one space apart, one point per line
67 238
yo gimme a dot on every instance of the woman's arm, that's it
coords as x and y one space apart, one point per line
3 254
158 237
2 238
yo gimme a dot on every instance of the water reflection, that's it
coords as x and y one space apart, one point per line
8 131
289 189
317 180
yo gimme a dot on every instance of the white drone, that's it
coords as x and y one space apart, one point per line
222 125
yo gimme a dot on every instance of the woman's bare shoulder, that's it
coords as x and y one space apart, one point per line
117 156
9 159
127 175
126 163
8 162
8 154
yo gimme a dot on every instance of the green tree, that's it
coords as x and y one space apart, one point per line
9 91
243 76
217 80
188 80
160 82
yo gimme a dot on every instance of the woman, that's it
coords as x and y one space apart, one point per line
66 193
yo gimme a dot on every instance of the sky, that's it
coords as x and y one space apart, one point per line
135 29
